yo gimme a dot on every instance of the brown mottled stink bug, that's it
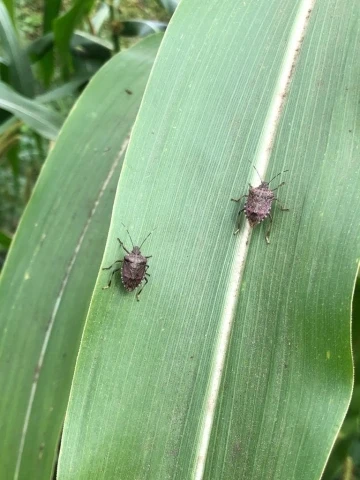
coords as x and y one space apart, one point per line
258 204
134 267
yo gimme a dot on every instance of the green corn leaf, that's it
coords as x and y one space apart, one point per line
48 278
236 363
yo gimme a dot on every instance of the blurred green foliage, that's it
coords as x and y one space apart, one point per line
50 50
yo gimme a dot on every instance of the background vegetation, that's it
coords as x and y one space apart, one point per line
56 80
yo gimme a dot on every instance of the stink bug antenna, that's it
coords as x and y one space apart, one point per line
277 175
256 170
258 173
147 237
132 243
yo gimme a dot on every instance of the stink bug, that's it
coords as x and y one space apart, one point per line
259 202
134 268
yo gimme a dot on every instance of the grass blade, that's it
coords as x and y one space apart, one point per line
20 69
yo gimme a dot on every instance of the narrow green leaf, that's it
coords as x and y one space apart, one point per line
48 278
10 7
236 362
47 63
20 70
42 119
51 11
100 17
65 25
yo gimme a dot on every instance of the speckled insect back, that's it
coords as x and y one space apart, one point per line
259 202
134 267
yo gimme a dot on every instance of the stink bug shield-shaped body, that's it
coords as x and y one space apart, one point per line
259 202
133 269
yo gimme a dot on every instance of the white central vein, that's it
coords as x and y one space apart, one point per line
231 298
57 304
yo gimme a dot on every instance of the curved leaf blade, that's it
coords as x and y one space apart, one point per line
48 278
20 69
141 28
42 119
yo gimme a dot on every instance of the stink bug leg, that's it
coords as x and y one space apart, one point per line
238 229
108 268
280 185
123 246
111 276
238 199
267 235
282 208
142 288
